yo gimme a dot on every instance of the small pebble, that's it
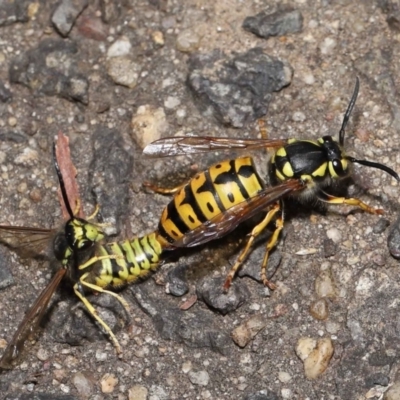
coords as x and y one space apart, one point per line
328 46
22 187
158 38
309 79
243 333
138 392
35 195
334 234
83 385
304 347
287 394
298 116
121 47
284 377
199 378
42 354
324 285
27 158
318 359
319 309
12 121
108 383
187 41
148 124
124 71
186 367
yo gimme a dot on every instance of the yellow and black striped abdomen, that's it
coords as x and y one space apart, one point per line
137 258
209 194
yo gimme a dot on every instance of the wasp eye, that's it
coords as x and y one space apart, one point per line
338 167
84 244
327 139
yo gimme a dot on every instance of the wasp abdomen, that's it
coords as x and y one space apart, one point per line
207 195
136 258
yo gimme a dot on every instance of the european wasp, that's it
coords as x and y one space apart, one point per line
90 265
203 209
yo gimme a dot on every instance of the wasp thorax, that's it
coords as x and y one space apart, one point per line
81 234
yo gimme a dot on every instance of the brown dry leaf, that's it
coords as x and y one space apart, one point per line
68 172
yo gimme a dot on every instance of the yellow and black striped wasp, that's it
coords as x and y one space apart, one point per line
194 216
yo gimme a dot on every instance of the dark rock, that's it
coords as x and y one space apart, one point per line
211 292
381 358
394 239
12 136
276 24
66 13
330 248
14 11
392 9
5 94
380 226
6 278
30 69
110 10
196 328
176 279
377 379
236 91
110 173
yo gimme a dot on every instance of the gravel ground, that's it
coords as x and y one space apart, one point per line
115 75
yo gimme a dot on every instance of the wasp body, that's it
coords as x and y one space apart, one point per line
315 165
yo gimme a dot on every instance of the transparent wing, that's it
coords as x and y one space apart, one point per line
30 322
181 145
26 241
230 219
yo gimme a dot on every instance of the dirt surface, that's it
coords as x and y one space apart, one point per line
115 75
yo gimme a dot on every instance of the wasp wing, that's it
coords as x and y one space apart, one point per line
26 241
30 322
181 145
231 218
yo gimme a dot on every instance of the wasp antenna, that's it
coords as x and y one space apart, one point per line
376 165
62 184
348 112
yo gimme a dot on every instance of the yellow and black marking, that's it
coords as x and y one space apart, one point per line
207 195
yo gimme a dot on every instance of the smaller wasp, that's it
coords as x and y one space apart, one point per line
106 267
194 216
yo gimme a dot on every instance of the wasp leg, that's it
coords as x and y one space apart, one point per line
350 201
160 190
254 233
94 213
79 292
262 128
97 288
270 245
